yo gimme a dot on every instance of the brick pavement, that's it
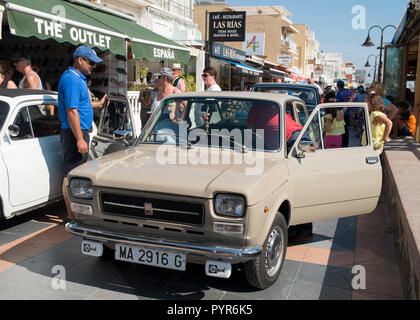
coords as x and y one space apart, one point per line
319 269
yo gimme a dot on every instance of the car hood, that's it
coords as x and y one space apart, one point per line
173 170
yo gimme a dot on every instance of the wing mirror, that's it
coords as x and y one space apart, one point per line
14 130
122 135
303 147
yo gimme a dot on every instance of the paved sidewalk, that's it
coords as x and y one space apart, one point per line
319 269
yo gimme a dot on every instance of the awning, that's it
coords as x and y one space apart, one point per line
62 21
277 72
145 43
244 67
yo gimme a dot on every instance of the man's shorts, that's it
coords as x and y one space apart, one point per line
72 157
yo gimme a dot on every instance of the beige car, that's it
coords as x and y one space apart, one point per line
212 181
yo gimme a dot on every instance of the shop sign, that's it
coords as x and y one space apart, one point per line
285 60
221 51
227 26
254 44
23 24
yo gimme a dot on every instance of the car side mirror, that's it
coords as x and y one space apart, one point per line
305 146
14 130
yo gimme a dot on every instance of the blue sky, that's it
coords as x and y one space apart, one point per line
332 22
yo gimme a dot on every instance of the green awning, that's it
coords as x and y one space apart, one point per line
61 21
145 43
65 21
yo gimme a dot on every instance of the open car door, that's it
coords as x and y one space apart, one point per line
336 182
116 127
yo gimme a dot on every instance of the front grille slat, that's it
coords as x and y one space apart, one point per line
163 210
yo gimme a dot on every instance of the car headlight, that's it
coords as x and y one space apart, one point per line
81 188
229 205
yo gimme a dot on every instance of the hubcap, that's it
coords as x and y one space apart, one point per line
274 252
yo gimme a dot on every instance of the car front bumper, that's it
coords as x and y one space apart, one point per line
222 253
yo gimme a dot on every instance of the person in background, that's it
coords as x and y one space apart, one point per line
361 94
334 127
31 79
405 122
179 82
146 99
380 124
390 109
344 95
76 113
5 76
330 97
164 80
209 77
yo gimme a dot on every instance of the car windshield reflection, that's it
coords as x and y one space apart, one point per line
244 124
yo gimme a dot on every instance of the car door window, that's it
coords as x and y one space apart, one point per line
327 129
44 120
116 117
302 115
23 122
289 109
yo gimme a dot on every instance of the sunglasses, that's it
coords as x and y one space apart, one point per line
90 62
204 75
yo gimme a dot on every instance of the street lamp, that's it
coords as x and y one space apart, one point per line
367 65
368 43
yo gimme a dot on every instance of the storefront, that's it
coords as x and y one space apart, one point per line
402 67
232 72
50 30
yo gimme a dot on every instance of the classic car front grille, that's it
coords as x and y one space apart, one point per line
162 210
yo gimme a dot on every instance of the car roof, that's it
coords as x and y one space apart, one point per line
280 98
14 93
285 85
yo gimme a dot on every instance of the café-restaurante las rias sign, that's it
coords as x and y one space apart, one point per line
227 26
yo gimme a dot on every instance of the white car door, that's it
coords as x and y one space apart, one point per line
33 158
331 183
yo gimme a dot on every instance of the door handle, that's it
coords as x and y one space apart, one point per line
372 160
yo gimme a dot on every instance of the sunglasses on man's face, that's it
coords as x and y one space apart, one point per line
90 62
205 75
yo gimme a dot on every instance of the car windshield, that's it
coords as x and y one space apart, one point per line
306 94
4 110
247 124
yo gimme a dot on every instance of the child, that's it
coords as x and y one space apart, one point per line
334 127
380 125
405 122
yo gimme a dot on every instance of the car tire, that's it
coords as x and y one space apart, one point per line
264 270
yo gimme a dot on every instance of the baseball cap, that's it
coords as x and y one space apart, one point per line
164 72
176 66
86 52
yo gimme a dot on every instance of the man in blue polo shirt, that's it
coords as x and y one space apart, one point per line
76 113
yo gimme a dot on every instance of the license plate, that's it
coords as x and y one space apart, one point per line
151 257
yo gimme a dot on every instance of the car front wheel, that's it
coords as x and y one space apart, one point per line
264 270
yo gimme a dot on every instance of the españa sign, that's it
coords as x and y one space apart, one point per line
28 25
227 26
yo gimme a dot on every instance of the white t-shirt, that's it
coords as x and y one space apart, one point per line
214 87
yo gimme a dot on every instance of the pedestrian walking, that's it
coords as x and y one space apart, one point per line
390 109
179 81
76 113
146 98
361 94
31 79
6 75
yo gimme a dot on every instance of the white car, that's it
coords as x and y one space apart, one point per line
31 160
